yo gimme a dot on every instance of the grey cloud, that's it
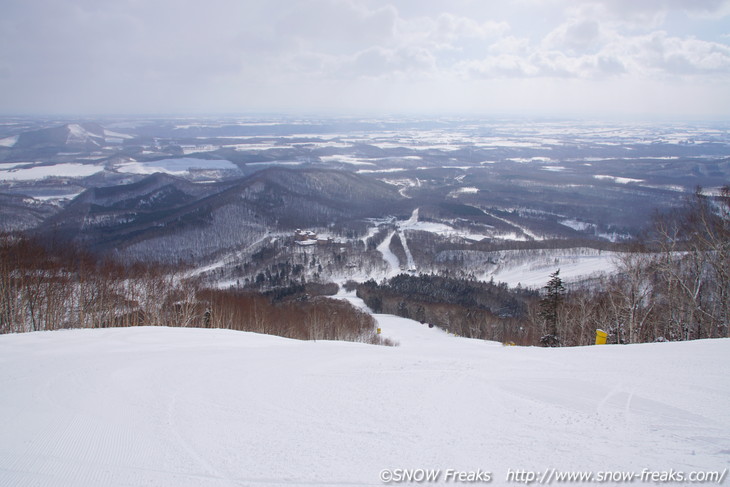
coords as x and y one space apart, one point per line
643 14
609 65
380 62
450 28
674 55
632 7
158 55
338 24
382 43
577 35
499 66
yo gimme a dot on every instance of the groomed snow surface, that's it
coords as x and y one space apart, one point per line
194 407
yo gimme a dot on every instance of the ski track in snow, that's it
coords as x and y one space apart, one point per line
190 407
233 257
409 255
392 260
389 257
524 229
410 222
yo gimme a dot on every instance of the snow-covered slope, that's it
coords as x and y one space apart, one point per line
8 141
533 268
193 407
78 135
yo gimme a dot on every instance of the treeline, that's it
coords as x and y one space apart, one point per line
296 316
674 285
467 308
47 287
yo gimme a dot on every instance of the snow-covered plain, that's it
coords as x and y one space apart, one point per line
179 166
195 407
65 170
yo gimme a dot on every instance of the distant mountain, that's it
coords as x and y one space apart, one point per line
67 138
18 212
115 216
193 220
71 136
308 197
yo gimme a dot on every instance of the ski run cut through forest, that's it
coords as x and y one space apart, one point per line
193 407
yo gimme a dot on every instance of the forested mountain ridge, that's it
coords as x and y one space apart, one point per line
163 205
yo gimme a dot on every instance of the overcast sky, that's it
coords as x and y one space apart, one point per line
586 58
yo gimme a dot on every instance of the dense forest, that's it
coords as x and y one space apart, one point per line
465 307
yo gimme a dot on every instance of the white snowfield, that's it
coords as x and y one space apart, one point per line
64 170
194 407
179 166
533 269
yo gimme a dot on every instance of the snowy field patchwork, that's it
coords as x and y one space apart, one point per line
194 407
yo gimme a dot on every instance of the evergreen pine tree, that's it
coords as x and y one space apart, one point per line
549 309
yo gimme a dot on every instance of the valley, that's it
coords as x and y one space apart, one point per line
276 205
201 190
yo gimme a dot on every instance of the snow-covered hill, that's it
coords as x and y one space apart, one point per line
193 407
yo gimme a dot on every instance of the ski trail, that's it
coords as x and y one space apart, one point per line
525 230
409 256
174 432
389 257
189 407
413 219
231 257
